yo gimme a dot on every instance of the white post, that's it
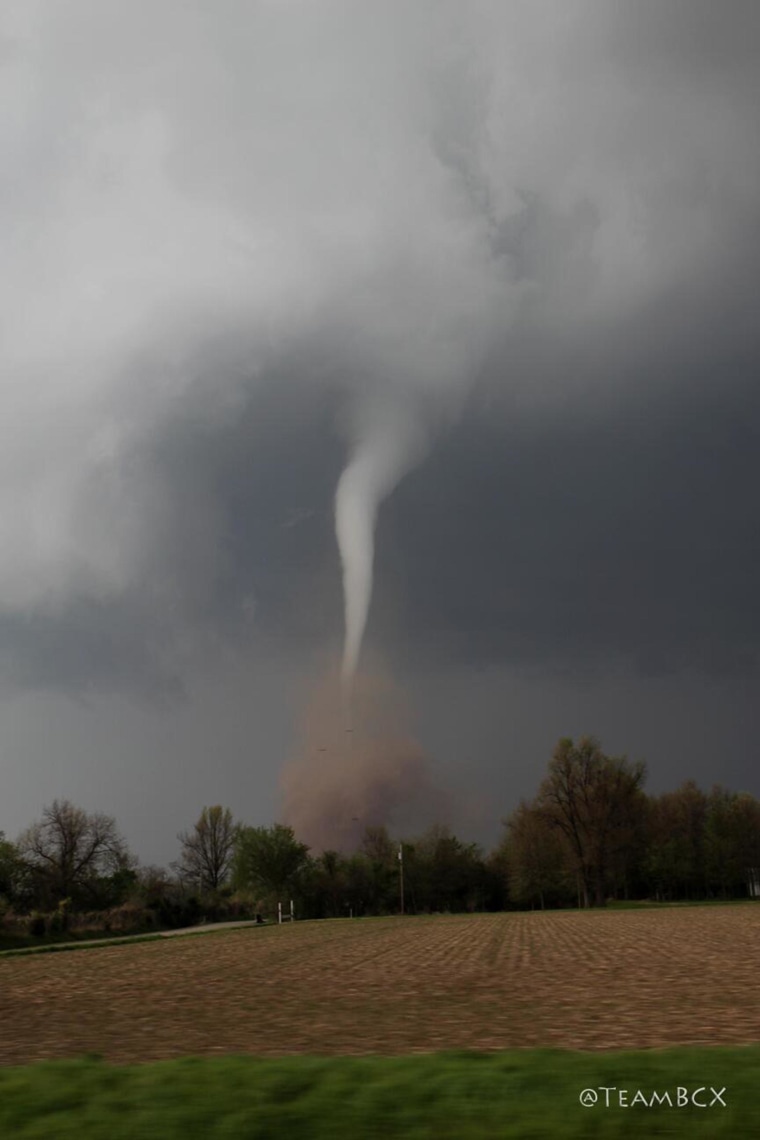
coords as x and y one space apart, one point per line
286 917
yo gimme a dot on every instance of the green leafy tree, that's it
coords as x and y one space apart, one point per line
331 882
115 888
451 873
746 827
674 859
732 840
361 885
382 893
268 860
323 887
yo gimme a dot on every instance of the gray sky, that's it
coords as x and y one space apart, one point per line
232 235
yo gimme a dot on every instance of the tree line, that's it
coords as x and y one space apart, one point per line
590 835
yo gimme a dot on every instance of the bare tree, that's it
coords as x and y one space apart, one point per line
69 848
154 882
208 850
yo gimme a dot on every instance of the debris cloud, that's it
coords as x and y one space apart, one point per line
357 766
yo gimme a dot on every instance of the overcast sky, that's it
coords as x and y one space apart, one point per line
234 237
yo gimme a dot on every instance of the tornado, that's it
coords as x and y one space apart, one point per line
388 445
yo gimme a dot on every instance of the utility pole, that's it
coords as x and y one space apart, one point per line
401 873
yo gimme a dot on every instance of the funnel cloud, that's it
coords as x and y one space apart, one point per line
386 449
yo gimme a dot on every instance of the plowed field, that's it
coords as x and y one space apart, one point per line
625 979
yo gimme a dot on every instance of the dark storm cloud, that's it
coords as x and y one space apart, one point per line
242 550
595 544
90 649
272 475
616 528
691 38
224 238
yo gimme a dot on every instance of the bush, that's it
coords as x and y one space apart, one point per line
242 904
178 912
36 925
59 920
131 918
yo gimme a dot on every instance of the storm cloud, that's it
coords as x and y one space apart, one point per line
237 238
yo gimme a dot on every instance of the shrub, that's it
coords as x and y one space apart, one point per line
243 904
130 918
178 912
59 920
37 925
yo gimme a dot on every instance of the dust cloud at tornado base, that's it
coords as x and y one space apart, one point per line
358 765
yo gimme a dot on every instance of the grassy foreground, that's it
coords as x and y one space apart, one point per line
521 1094
18 947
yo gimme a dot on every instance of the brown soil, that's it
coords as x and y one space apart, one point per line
625 979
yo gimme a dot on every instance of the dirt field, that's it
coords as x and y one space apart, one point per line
626 979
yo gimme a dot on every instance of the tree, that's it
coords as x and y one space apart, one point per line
444 873
11 869
69 850
732 840
154 886
378 846
110 890
746 826
675 842
323 890
382 876
208 850
536 858
268 860
360 885
331 881
596 802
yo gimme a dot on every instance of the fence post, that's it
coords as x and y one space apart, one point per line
285 917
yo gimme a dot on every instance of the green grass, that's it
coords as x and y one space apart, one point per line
68 943
63 943
448 1096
